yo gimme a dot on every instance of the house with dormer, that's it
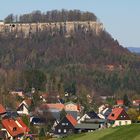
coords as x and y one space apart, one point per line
66 125
118 117
15 129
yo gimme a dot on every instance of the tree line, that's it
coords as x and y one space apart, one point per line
51 16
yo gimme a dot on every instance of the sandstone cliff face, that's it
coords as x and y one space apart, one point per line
66 27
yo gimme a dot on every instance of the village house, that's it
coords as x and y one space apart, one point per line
35 120
1 22
19 93
86 127
136 103
44 97
23 108
105 113
102 123
56 108
11 113
118 117
2 111
66 125
120 102
70 106
73 109
15 129
51 97
88 116
101 108
52 109
90 122
105 97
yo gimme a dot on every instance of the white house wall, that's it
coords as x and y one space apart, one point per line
83 118
24 111
123 122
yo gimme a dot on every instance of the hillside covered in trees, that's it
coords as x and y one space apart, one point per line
79 63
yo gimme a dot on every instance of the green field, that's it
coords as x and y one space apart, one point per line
131 132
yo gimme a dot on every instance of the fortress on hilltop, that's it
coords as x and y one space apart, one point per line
67 27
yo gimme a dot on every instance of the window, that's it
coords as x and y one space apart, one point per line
59 130
112 115
65 130
63 124
14 129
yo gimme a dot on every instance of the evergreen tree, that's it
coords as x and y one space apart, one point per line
62 114
25 119
126 100
42 134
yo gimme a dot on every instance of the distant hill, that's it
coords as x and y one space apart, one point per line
134 49
79 62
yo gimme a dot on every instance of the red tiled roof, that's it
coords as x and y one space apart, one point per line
53 106
24 126
115 113
78 107
136 101
11 126
71 119
120 102
2 109
45 95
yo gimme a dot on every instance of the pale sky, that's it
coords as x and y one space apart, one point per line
121 18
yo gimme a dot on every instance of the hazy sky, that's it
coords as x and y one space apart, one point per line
121 18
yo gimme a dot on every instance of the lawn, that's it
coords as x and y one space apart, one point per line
130 132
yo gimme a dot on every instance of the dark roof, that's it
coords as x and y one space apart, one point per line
38 120
92 115
106 112
96 121
2 134
12 114
89 126
18 90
